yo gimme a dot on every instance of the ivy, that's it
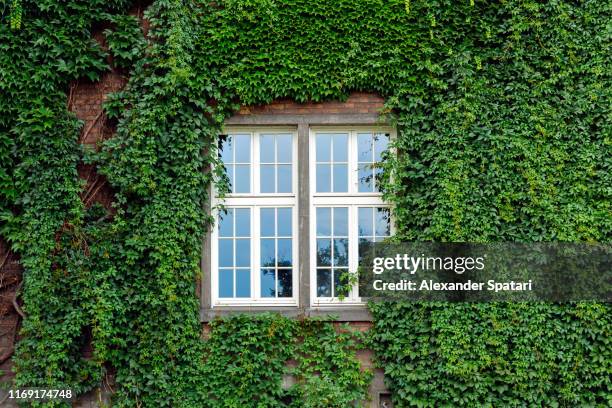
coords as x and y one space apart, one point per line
502 112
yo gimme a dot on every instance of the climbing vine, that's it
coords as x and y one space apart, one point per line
502 111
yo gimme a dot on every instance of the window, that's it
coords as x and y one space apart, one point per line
254 251
255 242
347 208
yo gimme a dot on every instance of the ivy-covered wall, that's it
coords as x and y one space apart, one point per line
503 117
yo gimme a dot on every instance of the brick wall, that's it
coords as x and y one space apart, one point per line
357 102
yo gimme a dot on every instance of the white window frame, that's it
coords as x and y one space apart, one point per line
255 201
352 199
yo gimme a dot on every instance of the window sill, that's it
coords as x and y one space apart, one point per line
353 313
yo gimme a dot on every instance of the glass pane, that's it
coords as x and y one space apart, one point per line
340 178
266 222
226 223
226 252
227 146
243 222
340 278
226 283
381 143
365 222
341 222
341 252
341 148
268 283
365 176
383 222
283 146
323 252
266 178
285 283
378 172
229 172
284 252
323 145
323 222
364 147
324 283
243 283
284 222
267 252
266 148
242 178
365 245
243 252
242 148
323 178
284 178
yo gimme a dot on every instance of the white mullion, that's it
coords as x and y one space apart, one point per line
255 254
353 244
255 163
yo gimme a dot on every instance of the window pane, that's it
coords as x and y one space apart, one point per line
243 283
266 148
266 179
324 283
383 222
284 222
365 245
323 145
340 279
243 222
381 143
323 178
341 148
340 222
242 178
364 147
266 222
243 252
268 257
284 257
341 252
226 152
284 178
323 252
226 283
365 222
226 223
366 178
283 146
378 172
340 178
229 172
285 283
242 148
323 222
267 283
226 252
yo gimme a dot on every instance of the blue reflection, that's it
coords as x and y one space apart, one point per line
323 221
226 283
383 222
323 144
284 257
226 252
243 283
340 221
341 147
268 282
323 252
365 176
364 148
365 222
283 146
243 222
284 178
266 222
324 283
284 226
243 252
266 148
381 143
266 179
226 223
323 178
242 178
341 252
340 178
242 148
267 251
